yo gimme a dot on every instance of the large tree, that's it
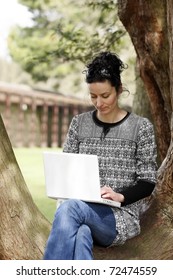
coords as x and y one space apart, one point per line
150 26
24 230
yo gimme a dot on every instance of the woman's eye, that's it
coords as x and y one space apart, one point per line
105 96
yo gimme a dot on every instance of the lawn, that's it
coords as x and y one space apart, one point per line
30 161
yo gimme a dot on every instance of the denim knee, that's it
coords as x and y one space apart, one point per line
70 208
68 205
83 232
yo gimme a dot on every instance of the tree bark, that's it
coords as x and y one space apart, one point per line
23 229
146 23
150 26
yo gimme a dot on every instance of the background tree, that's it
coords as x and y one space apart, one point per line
62 35
153 41
152 55
11 72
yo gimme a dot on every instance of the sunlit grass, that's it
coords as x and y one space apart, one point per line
30 161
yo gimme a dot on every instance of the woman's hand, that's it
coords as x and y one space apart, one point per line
108 193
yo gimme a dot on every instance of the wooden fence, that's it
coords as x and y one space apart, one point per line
37 118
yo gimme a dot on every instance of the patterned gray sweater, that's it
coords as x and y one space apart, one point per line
127 154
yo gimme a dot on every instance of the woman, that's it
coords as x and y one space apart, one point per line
125 145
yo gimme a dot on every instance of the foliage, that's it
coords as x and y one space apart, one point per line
64 32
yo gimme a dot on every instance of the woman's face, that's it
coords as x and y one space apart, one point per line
104 97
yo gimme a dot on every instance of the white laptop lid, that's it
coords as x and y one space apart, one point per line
70 175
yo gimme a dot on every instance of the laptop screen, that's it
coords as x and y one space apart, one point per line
69 175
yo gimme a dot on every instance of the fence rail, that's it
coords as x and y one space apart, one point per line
37 118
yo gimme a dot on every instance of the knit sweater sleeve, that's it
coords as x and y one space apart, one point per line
71 144
145 165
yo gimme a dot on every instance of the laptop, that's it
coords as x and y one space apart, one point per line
73 176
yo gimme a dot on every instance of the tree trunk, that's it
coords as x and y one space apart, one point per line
23 229
150 26
146 24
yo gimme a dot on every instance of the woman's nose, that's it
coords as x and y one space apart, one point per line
99 102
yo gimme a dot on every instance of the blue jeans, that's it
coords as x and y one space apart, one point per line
76 226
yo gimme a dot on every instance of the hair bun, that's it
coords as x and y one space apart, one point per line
105 66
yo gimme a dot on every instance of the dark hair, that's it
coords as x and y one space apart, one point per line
105 66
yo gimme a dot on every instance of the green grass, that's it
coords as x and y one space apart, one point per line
30 161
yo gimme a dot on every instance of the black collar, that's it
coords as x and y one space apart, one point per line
105 124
